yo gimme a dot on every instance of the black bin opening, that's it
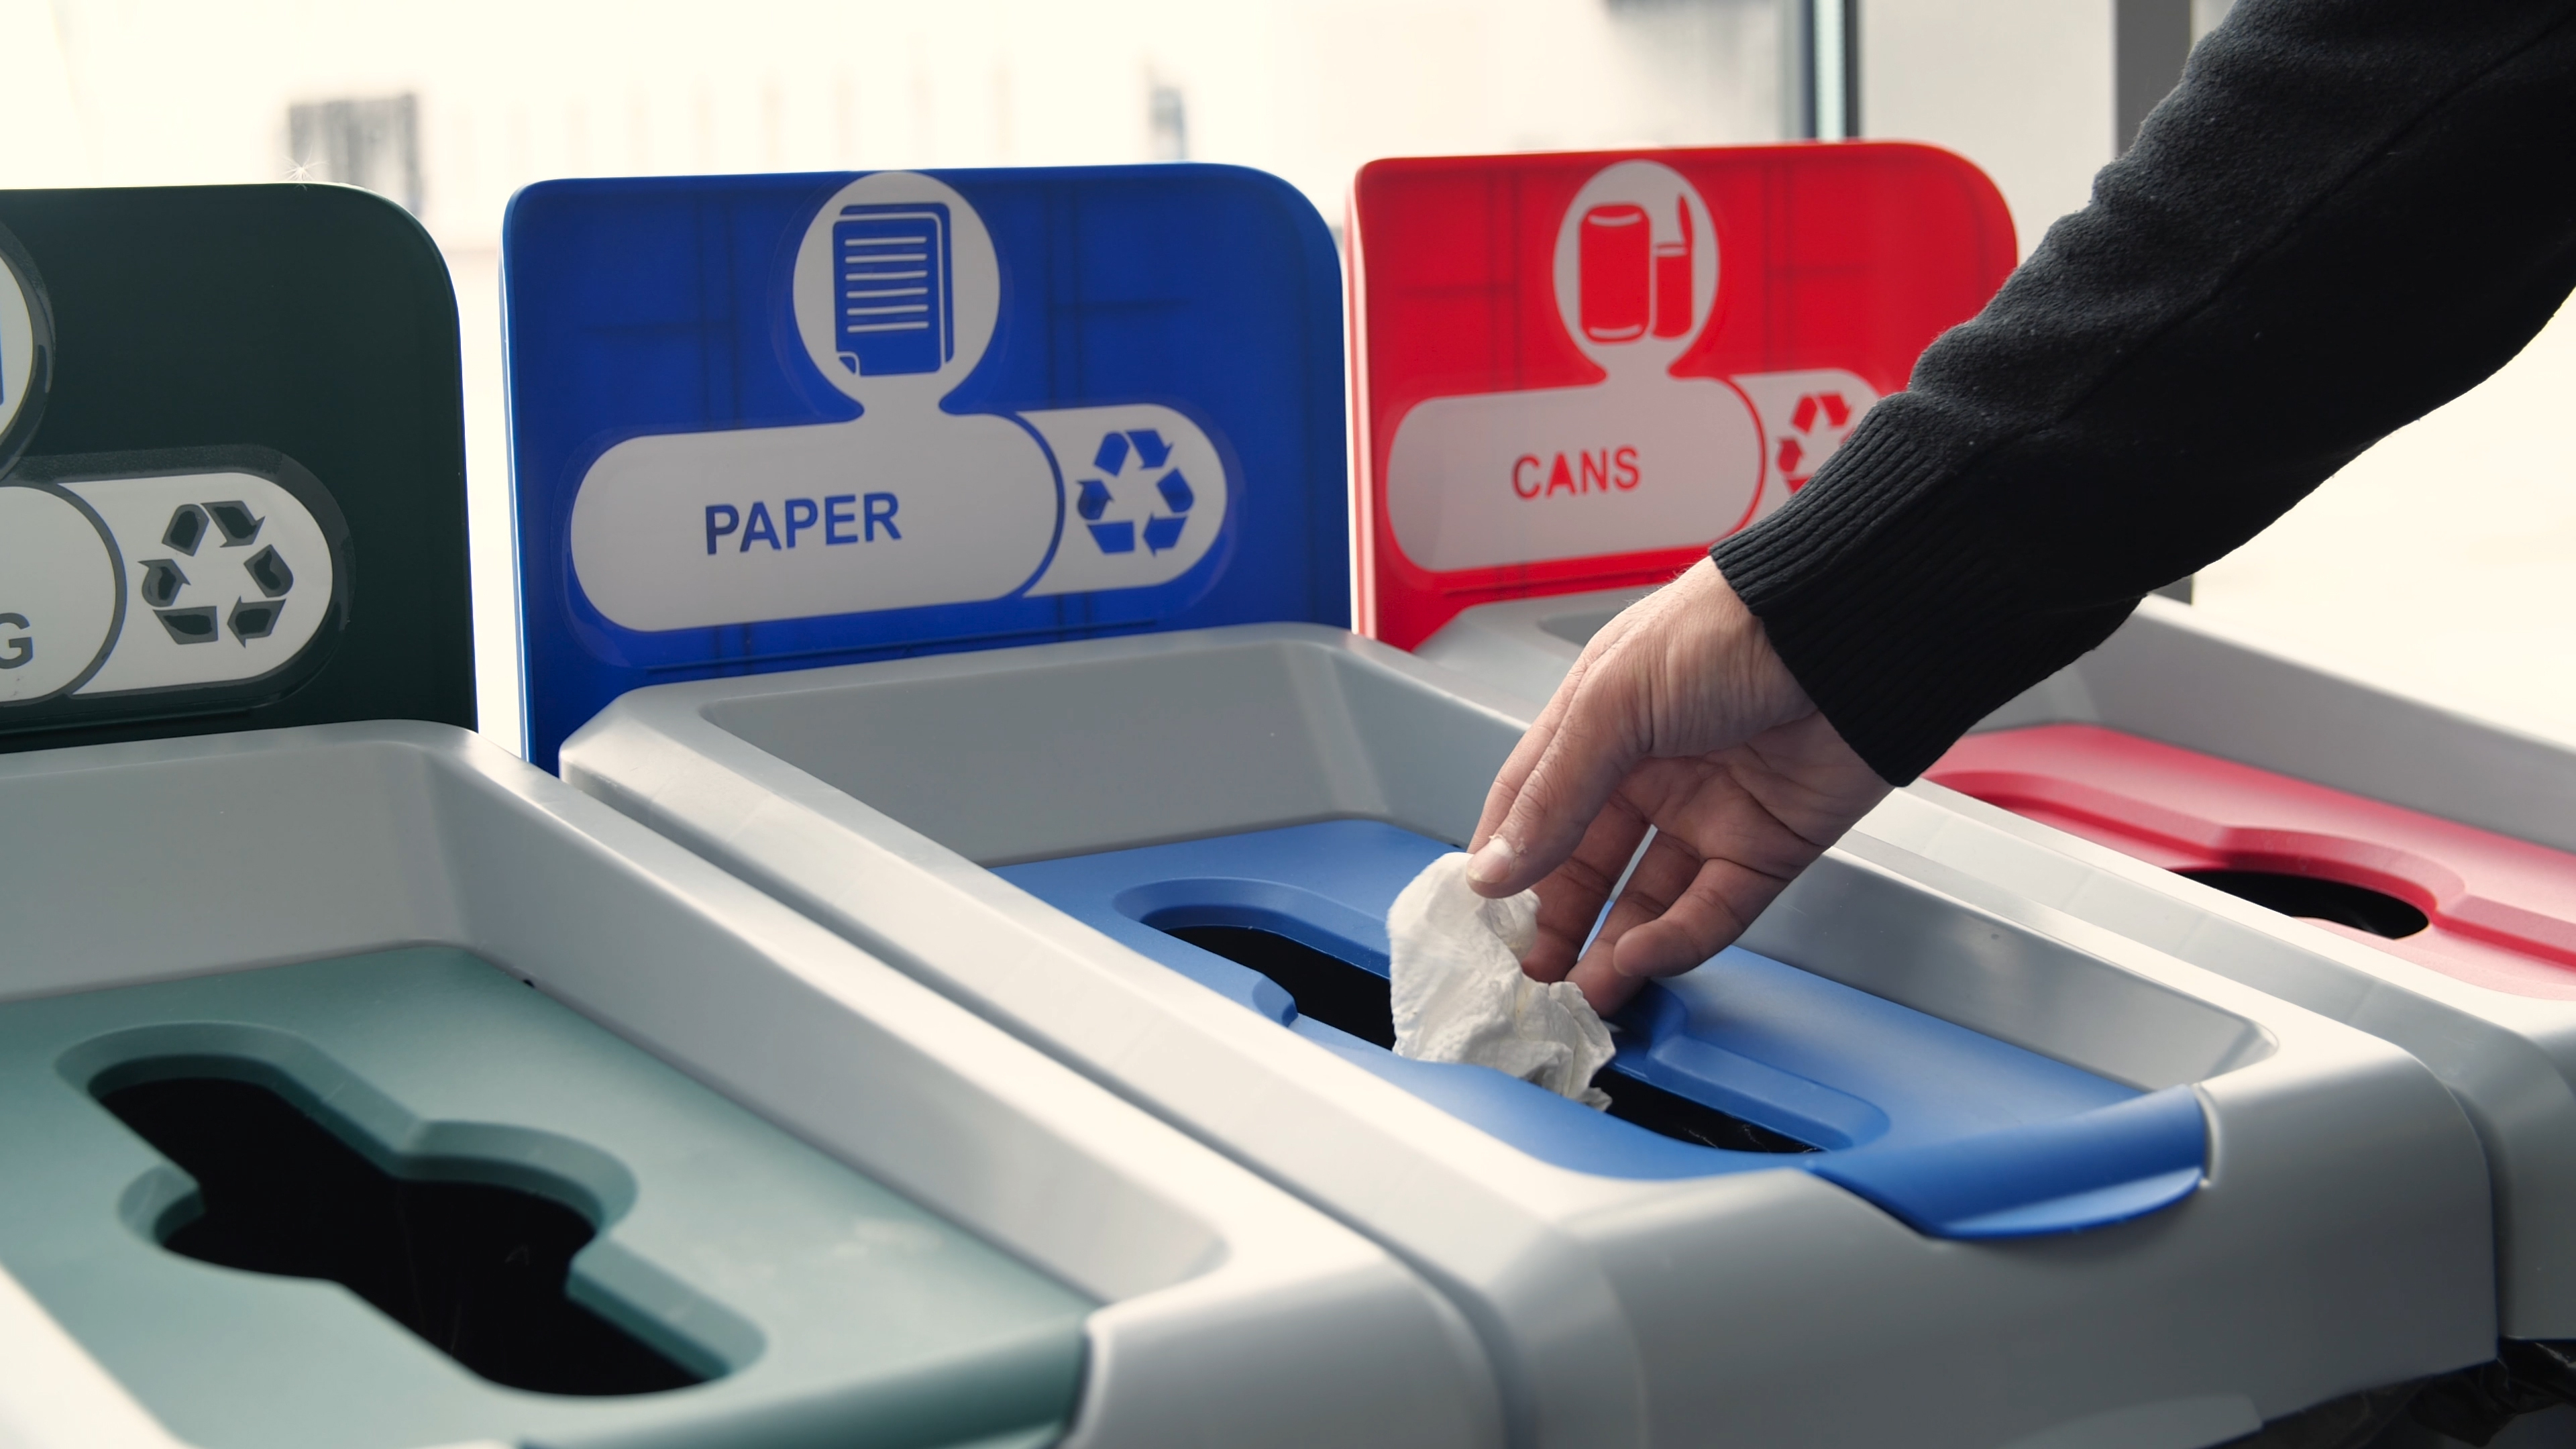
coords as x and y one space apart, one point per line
1354 999
475 1269
1325 987
1669 1114
2358 907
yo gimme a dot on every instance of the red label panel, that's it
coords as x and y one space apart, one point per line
1578 371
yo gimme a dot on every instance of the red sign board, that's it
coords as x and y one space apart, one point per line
1578 371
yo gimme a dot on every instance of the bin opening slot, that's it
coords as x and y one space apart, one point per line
1326 988
1352 998
1670 1114
2358 907
1578 627
475 1268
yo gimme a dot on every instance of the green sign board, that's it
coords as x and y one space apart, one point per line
232 465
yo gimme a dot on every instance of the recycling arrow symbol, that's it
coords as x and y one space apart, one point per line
1093 497
164 579
1795 465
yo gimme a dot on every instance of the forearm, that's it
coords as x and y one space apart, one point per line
2349 213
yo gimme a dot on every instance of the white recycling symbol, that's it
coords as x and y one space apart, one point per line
1160 531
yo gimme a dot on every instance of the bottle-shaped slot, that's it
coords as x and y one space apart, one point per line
476 1269
1352 998
2317 899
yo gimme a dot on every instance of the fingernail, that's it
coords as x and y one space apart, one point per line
1493 862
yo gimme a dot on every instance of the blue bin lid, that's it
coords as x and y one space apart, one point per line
773 422
1954 1133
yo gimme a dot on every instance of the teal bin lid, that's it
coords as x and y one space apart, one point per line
232 465
726 1284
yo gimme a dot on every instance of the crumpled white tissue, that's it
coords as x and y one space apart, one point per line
1460 995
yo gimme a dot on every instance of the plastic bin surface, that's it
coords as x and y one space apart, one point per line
1957 1134
270 529
741 1287
1025 828
881 798
2256 759
1578 371
2184 741
772 421
1221 1301
208 394
1525 647
2342 781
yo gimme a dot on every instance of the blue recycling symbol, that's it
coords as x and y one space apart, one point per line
1146 448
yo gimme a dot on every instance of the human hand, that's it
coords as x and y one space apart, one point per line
1678 716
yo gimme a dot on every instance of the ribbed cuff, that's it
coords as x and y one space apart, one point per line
1897 601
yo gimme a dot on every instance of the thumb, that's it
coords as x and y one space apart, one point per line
1593 747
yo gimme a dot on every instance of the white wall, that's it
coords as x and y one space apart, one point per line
2020 87
2442 561
169 90
41 143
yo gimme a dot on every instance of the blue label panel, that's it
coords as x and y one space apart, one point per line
769 422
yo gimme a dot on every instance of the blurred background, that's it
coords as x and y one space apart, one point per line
2441 562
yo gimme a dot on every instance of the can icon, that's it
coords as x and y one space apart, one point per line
891 289
1617 280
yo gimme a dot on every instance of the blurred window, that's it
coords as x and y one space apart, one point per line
371 143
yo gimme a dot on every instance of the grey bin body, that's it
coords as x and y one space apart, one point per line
1525 646
870 1216
2340 1241
2174 675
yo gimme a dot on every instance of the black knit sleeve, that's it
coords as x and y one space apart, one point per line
2348 213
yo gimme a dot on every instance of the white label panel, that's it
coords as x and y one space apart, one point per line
1145 494
227 577
693 529
58 587
1523 477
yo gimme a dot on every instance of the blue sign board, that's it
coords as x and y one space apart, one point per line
773 422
